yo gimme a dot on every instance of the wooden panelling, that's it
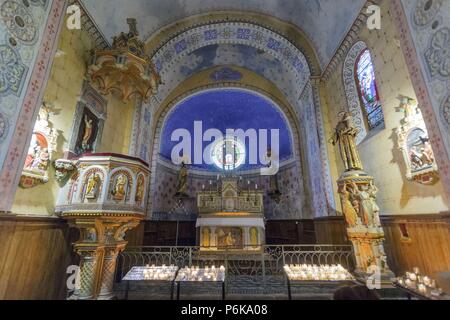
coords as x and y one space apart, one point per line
426 246
135 237
164 233
290 232
331 230
35 253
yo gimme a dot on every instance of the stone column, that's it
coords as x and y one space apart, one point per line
109 271
90 261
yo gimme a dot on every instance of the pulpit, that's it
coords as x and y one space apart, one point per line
105 196
231 218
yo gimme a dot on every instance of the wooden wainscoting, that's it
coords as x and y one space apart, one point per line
35 253
290 232
331 230
418 241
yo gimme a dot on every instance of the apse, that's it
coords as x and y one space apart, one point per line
224 109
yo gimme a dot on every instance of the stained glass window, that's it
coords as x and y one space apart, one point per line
228 154
368 90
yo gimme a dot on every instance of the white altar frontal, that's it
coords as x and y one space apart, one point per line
231 218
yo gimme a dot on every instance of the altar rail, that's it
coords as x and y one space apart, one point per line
269 260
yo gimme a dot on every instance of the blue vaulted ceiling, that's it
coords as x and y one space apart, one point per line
226 109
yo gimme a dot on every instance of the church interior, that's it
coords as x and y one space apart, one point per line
200 149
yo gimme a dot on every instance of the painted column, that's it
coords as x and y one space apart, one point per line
27 51
328 184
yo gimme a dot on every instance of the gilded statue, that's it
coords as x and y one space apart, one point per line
348 208
182 181
120 188
93 186
254 237
206 237
345 135
140 190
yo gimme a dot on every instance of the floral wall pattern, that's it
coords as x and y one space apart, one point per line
424 27
28 31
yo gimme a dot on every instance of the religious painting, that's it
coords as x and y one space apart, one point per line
229 238
88 122
87 132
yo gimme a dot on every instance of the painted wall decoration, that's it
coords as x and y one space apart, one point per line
316 182
324 21
351 89
20 26
40 152
33 41
423 27
292 204
227 109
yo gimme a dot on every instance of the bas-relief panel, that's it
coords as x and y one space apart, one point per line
324 21
291 206
21 26
430 25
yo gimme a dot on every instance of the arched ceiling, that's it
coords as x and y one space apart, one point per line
224 109
325 22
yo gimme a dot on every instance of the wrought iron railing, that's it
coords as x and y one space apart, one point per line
267 260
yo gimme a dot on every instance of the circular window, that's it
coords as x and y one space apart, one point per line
228 154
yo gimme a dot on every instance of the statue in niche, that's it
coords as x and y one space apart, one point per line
206 237
93 186
42 147
182 182
140 190
120 188
345 134
87 132
348 208
254 237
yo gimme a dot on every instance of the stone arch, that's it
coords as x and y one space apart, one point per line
292 119
351 89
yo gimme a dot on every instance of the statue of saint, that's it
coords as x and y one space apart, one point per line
366 203
373 190
206 237
348 208
140 190
120 188
182 181
87 133
229 240
93 186
254 237
345 134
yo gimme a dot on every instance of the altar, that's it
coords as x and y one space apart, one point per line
231 218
